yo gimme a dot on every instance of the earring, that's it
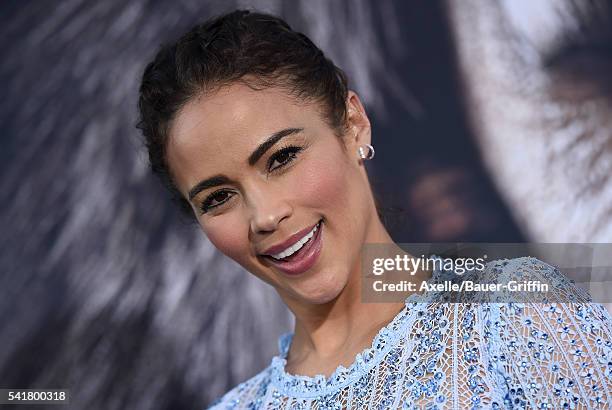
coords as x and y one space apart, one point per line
363 154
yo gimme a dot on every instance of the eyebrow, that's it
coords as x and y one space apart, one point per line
273 139
253 158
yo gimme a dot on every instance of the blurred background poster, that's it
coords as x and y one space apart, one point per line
491 121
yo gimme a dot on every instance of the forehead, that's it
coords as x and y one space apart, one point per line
232 113
225 126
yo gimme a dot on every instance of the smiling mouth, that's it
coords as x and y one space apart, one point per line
301 256
295 248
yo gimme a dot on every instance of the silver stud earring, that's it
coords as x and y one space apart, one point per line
366 155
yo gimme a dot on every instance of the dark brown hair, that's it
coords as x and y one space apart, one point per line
257 49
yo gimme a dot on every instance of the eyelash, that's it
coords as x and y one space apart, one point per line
290 149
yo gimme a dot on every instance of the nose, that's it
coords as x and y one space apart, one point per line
267 210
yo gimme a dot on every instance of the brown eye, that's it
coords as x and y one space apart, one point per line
283 157
214 200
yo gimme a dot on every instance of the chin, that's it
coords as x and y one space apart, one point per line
323 298
320 291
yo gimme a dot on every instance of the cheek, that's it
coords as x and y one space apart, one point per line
323 184
229 237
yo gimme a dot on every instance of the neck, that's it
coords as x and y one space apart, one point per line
331 334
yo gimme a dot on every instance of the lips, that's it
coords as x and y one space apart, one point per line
303 259
292 240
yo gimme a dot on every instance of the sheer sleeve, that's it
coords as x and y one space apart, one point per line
553 354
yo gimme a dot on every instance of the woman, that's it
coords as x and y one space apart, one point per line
256 134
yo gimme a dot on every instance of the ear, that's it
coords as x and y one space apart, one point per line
359 131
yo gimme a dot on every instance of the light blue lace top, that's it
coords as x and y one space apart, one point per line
482 355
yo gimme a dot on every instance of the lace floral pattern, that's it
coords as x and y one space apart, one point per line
440 355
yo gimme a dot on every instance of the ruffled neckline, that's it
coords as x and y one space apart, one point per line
385 340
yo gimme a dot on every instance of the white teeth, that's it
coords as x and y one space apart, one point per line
296 246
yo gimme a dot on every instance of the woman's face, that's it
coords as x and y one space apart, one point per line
261 195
